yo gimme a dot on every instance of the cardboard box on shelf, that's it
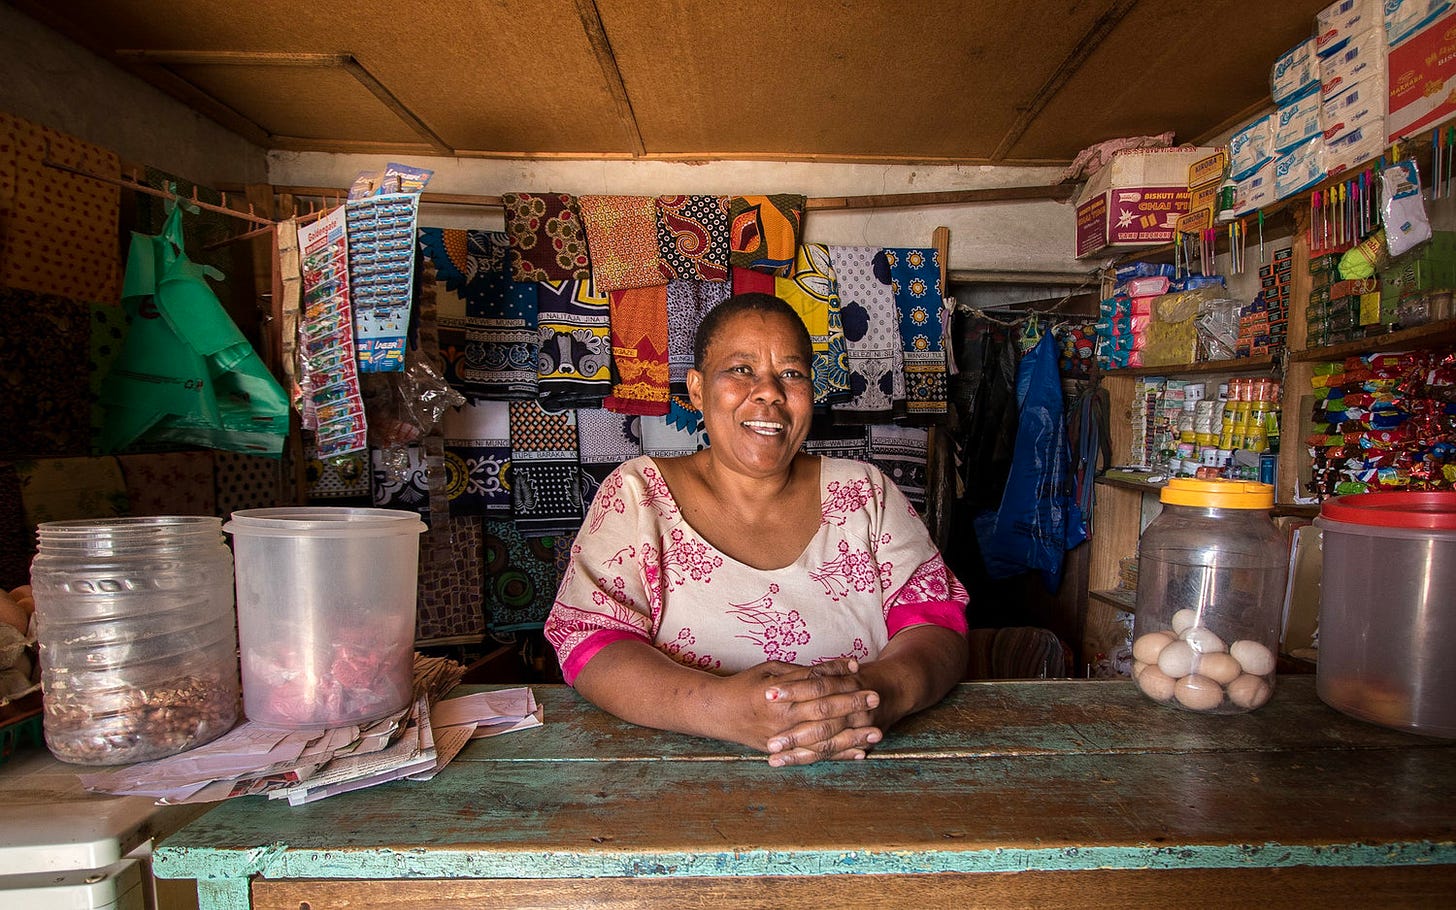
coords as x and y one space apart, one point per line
1135 199
1421 73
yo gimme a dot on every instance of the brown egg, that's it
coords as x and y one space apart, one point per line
1149 645
1249 691
1198 692
12 613
1156 684
1219 667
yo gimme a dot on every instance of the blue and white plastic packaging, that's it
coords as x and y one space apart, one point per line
1354 147
1299 169
1361 59
1404 18
1296 123
1338 22
1251 148
1255 191
1295 74
1361 107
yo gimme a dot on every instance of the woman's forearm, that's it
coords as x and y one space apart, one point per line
915 670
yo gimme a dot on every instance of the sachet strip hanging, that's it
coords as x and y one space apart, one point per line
687 303
547 242
692 237
764 231
381 277
545 490
875 358
814 294
477 458
574 368
915 281
621 232
487 322
605 439
639 349
332 404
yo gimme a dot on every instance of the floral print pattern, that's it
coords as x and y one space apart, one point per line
639 570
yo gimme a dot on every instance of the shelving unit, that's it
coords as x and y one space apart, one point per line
1119 513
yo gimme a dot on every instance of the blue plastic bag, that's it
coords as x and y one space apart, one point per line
1038 520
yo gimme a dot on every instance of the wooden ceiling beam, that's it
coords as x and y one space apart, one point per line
382 92
596 34
230 58
1063 73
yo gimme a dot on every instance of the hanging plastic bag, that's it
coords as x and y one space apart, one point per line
1038 520
1403 212
186 375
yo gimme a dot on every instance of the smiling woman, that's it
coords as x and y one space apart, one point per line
752 592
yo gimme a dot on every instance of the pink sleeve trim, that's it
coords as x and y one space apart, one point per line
950 614
589 648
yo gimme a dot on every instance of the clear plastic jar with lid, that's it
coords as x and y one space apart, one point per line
1211 574
138 640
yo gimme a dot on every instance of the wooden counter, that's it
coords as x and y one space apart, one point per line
1047 793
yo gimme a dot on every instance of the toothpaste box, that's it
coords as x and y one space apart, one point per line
1362 58
1360 106
1295 73
1340 21
1296 122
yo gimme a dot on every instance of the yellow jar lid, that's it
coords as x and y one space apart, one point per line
1218 494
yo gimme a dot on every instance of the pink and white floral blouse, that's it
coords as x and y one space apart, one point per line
639 570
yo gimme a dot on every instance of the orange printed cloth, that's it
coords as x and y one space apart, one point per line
764 231
58 230
621 232
639 349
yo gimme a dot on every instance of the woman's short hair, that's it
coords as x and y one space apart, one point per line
753 302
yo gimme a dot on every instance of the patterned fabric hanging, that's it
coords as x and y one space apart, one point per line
575 361
814 294
605 439
687 303
764 231
915 281
546 239
639 350
692 237
477 458
520 578
621 232
680 432
545 490
901 452
451 582
487 322
875 358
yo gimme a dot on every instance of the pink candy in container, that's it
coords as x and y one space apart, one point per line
326 613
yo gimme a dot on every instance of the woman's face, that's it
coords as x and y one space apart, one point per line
756 392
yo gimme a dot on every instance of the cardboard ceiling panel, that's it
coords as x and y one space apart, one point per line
917 80
1148 77
909 80
319 103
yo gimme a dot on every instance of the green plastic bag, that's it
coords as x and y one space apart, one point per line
186 375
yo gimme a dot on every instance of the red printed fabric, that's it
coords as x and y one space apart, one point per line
692 237
639 350
547 240
764 231
621 232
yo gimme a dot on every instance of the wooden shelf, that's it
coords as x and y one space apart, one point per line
1428 335
1264 363
1130 482
1118 599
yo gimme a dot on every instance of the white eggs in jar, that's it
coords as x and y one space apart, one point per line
1202 640
1219 667
1198 692
1156 684
1256 659
1176 660
1249 691
1184 619
1149 646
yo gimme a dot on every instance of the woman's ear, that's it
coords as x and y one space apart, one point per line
695 388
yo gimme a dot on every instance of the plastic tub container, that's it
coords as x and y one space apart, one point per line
137 644
1211 573
326 613
1388 609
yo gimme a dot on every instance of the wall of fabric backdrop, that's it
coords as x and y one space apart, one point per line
570 333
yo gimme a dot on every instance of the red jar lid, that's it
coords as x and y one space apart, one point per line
1422 511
